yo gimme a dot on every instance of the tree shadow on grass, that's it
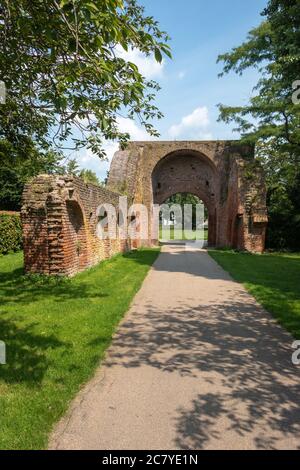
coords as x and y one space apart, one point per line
15 287
274 279
19 288
269 270
26 358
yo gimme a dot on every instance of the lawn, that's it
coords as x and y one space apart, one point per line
273 279
172 233
56 332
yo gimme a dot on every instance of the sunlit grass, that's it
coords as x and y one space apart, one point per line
273 279
56 332
171 233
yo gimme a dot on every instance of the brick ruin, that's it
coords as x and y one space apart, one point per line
59 213
59 218
224 174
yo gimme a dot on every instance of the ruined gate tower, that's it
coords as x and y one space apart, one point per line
59 213
223 174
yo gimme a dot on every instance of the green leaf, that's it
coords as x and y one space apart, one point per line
157 55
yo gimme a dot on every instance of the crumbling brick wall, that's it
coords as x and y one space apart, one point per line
59 225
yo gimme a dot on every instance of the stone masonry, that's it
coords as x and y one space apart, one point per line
59 213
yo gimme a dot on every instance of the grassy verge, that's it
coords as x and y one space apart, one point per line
172 233
273 279
56 332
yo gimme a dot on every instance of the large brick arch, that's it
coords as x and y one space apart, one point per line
224 174
187 171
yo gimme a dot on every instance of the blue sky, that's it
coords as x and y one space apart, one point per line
191 89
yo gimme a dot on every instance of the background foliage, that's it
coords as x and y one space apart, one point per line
271 119
20 163
187 198
10 233
63 66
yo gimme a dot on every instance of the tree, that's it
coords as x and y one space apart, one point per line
284 216
20 163
189 199
89 176
61 63
273 48
271 119
72 167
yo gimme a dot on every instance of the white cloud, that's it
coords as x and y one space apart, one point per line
136 132
147 65
192 126
87 159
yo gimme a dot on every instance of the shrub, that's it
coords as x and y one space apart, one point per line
10 233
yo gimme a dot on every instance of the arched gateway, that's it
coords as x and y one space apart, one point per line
223 174
60 214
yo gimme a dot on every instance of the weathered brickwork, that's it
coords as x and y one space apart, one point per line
223 174
59 217
59 213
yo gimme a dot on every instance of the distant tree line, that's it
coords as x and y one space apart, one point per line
18 164
190 199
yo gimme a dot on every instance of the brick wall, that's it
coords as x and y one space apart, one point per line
59 225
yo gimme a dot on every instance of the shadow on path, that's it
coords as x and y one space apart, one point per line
248 354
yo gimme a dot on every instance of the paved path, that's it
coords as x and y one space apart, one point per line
196 364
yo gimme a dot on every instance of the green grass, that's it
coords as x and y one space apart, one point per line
56 332
273 279
177 234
